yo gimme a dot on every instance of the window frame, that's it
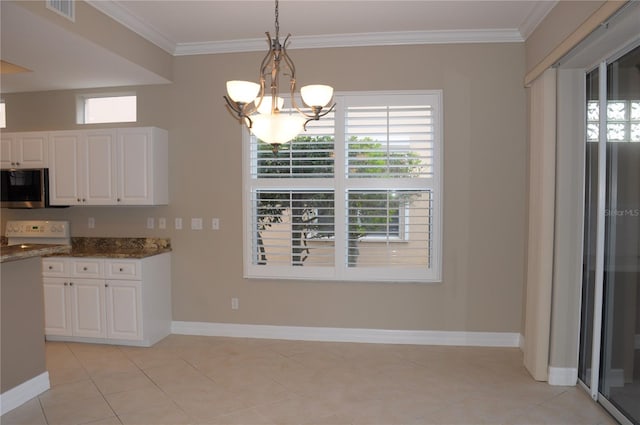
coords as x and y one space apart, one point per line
3 114
341 185
81 102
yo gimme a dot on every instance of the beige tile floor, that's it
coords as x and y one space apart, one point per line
206 380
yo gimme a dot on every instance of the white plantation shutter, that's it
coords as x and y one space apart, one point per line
356 197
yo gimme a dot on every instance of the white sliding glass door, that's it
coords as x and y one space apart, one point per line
609 360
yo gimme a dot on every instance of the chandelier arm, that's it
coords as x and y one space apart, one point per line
259 98
233 106
287 59
267 58
317 115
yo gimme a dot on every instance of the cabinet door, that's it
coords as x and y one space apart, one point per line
32 150
87 301
99 163
6 150
57 311
65 168
134 166
124 309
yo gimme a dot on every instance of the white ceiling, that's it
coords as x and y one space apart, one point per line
61 60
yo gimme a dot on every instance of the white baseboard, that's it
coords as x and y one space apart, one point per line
376 336
24 392
521 342
563 376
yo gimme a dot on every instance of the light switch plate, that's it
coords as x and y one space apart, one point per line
162 223
91 223
196 223
178 223
151 223
215 224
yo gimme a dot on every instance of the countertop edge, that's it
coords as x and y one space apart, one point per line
22 252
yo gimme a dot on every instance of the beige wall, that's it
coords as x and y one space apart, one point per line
485 189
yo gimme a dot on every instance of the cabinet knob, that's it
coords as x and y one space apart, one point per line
84 200
66 284
106 285
50 267
121 269
70 283
118 199
78 199
17 163
84 268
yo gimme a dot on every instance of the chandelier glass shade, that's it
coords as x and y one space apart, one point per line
262 111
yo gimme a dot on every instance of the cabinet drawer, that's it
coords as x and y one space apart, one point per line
124 269
55 266
87 268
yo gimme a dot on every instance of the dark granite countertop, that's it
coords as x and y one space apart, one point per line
134 248
21 252
118 247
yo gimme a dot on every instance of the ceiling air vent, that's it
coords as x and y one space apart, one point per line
65 8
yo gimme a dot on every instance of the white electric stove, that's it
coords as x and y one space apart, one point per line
38 232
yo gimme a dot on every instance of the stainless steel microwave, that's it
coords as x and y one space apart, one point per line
25 188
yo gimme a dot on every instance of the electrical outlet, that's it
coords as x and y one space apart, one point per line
196 223
151 223
162 223
91 223
215 224
178 223
235 303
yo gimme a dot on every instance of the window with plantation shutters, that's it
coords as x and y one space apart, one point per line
355 197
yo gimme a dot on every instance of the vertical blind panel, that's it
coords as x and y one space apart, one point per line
389 228
390 141
293 228
310 154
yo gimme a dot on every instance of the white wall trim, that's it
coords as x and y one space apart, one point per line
521 342
564 376
356 40
24 392
375 336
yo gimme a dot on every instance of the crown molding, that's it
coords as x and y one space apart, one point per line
538 13
118 13
356 40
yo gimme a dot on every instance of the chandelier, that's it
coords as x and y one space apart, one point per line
262 114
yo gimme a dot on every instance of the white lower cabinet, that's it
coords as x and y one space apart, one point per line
124 309
122 302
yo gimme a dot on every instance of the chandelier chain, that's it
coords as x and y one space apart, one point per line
277 21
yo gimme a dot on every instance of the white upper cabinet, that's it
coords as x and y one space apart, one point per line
143 177
82 170
127 166
24 150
